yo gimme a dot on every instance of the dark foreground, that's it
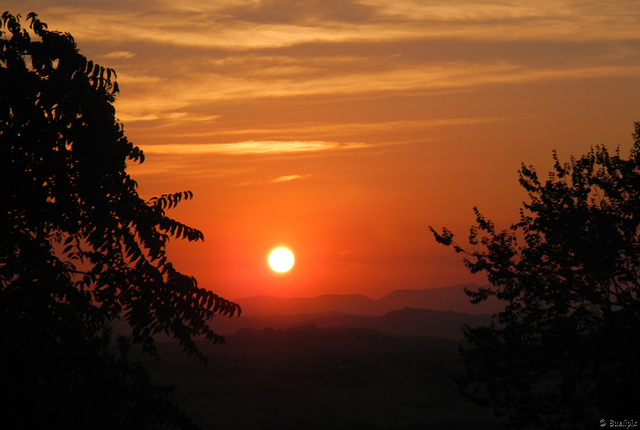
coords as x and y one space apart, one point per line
322 378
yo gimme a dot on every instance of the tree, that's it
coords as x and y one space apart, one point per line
564 352
79 248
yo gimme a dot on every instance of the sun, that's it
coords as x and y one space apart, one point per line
281 260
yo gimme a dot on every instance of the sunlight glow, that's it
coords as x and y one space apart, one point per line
281 260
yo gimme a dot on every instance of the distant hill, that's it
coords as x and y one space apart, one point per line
443 299
409 322
312 340
403 322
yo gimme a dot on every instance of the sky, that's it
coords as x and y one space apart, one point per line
343 129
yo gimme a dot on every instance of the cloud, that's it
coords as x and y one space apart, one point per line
434 78
279 179
247 25
311 11
287 178
236 69
166 118
251 147
171 54
465 11
119 54
346 128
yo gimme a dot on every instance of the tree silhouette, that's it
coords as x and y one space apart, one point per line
79 248
564 352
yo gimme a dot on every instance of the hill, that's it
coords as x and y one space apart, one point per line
403 322
332 361
443 299
409 322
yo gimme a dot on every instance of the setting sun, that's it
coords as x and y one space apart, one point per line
281 260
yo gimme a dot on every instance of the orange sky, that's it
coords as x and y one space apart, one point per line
343 129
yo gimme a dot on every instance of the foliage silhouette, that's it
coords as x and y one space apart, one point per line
563 353
79 248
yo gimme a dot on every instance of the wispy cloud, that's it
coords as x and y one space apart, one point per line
340 129
151 106
119 54
166 117
420 78
248 25
181 65
278 180
287 178
244 148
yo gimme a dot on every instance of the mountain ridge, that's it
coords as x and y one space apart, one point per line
407 322
440 299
